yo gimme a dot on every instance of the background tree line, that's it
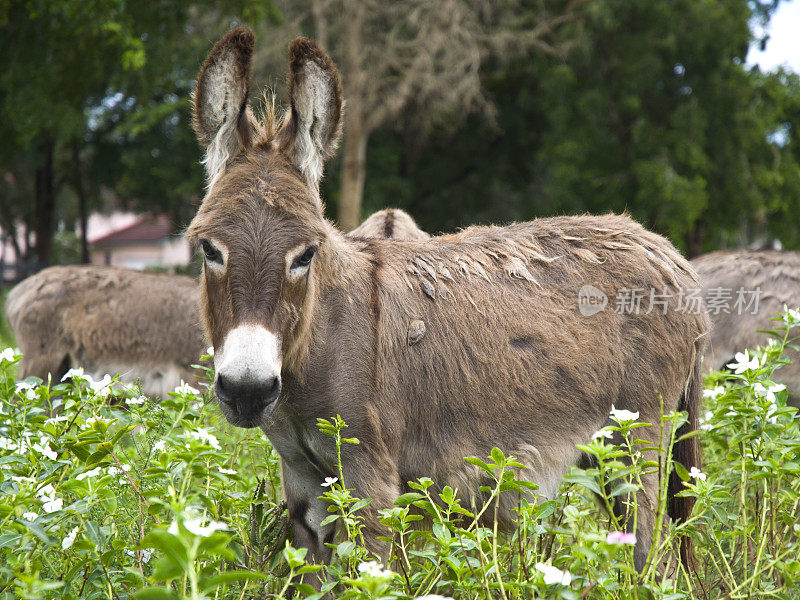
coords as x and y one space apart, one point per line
460 111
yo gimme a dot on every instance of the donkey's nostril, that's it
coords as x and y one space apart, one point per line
247 396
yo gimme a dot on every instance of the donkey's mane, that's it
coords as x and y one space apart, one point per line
265 121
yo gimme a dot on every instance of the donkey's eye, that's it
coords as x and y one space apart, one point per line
305 258
211 253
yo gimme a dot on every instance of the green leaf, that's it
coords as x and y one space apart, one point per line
155 593
345 549
171 546
212 583
408 498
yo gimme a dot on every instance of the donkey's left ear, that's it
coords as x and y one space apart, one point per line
221 117
311 132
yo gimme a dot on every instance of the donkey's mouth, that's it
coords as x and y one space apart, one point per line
248 404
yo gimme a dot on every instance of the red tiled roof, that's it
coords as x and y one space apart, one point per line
148 228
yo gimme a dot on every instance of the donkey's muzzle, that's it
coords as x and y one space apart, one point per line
245 402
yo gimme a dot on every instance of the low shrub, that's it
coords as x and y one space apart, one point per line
107 494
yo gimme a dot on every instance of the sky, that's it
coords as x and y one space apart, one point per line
783 46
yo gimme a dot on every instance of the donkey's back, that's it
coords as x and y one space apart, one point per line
771 275
108 320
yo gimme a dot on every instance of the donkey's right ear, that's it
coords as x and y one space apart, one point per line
221 119
311 132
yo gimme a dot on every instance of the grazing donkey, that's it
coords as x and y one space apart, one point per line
430 350
108 320
142 325
777 274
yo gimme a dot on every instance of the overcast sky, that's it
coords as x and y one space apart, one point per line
783 47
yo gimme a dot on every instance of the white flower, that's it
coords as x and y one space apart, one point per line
623 415
8 355
792 315
697 474
374 569
73 373
705 422
159 445
329 481
195 526
203 436
50 502
70 538
22 480
713 393
30 516
554 575
145 554
185 388
26 389
603 433
768 392
93 473
744 362
56 420
133 401
227 471
53 505
103 387
8 444
45 490
112 470
210 351
44 449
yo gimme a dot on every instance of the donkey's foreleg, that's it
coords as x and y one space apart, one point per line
302 489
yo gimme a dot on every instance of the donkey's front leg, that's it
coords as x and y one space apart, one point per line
302 488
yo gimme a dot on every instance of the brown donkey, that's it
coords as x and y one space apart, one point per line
309 323
141 325
776 274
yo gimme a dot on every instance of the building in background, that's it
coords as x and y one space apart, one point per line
148 241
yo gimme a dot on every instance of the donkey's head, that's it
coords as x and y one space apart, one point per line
261 227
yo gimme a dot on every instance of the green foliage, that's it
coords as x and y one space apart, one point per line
106 494
653 111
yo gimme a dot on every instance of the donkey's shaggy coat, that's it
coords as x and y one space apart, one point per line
777 274
309 323
141 325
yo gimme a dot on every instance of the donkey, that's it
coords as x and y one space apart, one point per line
390 223
777 275
143 326
431 350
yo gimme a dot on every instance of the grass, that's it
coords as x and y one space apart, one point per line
136 499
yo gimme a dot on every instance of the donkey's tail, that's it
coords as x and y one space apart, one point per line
686 452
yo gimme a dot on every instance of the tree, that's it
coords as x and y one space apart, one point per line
652 111
69 65
416 57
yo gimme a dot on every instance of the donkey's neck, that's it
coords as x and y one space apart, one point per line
341 306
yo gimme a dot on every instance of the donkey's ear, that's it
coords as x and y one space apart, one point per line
311 132
221 119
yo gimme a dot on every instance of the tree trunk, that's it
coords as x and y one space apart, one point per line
80 190
44 218
356 132
694 238
354 168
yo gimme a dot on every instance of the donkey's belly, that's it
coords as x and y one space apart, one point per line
156 380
